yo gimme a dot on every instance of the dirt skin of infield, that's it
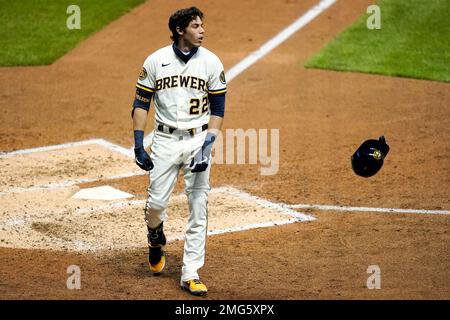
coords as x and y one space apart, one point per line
322 116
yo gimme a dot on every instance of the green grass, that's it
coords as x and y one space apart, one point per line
414 41
34 32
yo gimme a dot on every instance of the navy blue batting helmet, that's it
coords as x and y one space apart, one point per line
369 157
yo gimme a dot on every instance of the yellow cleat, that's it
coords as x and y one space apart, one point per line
195 287
157 260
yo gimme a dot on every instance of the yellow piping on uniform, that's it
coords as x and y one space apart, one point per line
217 92
144 88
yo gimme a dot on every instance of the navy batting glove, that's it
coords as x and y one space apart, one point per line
143 159
200 161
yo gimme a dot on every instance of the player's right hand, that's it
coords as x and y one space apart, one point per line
201 159
143 159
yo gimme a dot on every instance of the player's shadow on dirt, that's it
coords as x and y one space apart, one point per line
132 264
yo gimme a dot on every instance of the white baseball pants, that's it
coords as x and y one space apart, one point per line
170 153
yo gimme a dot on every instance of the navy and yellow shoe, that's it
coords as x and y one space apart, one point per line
156 259
156 243
195 287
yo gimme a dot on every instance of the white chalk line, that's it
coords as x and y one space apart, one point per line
365 209
279 38
265 203
245 227
101 142
282 207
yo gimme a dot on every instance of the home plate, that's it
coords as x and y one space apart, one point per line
101 193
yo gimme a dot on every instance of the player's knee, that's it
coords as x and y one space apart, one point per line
198 199
198 193
202 188
153 217
155 204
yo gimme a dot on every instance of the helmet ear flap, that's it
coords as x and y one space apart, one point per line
369 157
384 147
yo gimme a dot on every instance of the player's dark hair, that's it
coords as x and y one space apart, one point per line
181 19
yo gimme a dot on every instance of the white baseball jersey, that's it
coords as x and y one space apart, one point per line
181 89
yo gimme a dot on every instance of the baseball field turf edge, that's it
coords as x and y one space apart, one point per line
413 42
36 33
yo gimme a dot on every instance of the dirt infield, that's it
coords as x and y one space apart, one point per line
322 117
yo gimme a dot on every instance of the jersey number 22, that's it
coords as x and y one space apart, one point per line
195 106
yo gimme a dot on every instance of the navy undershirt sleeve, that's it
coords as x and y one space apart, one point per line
217 104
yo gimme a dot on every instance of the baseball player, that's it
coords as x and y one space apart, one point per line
187 84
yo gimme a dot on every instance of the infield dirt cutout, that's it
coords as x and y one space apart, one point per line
38 213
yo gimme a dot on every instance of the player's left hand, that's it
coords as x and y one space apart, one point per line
201 159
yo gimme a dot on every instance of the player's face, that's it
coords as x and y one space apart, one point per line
193 34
